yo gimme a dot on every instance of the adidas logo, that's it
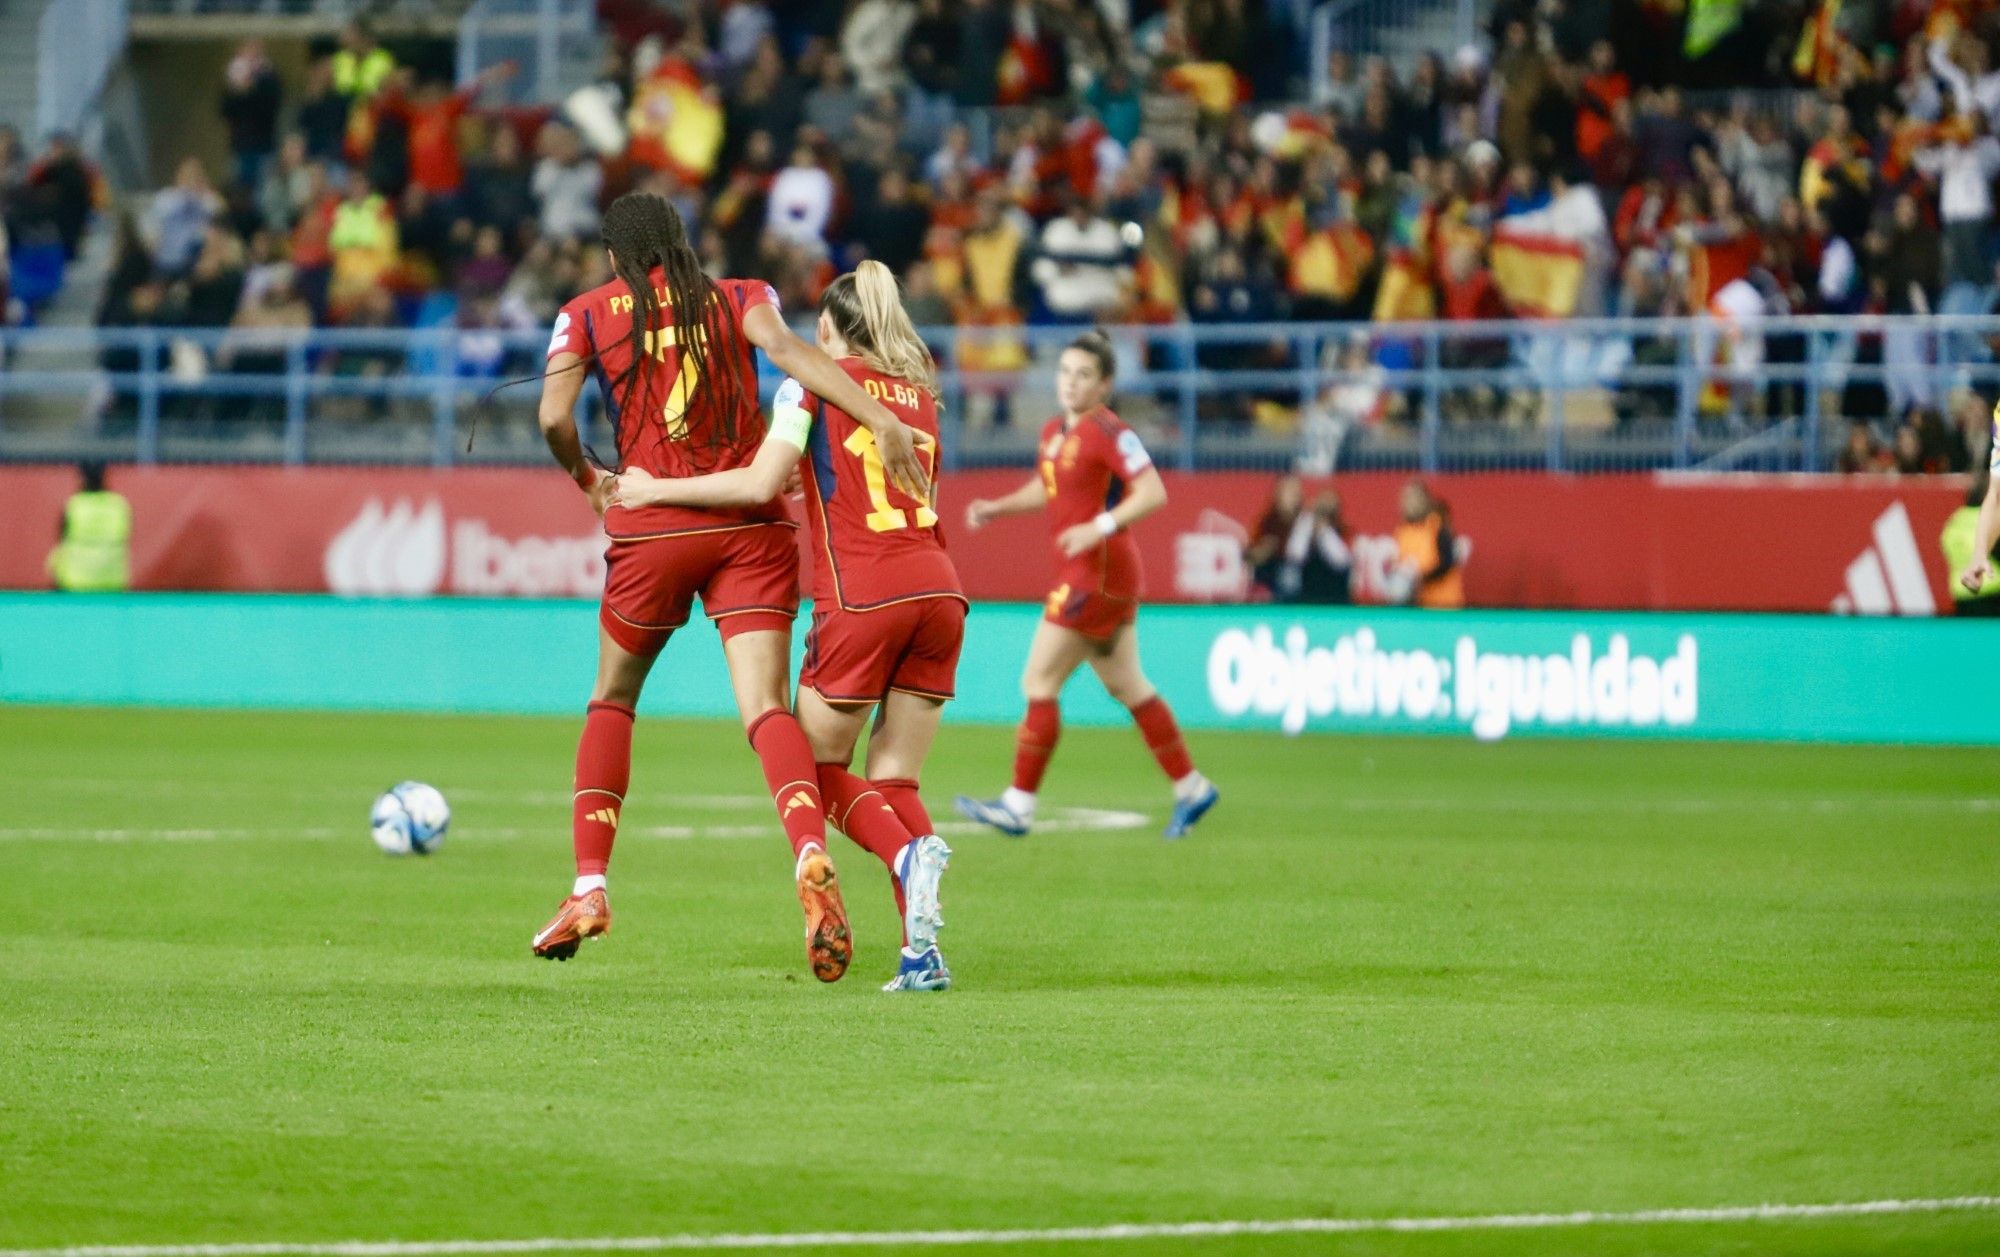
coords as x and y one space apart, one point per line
604 815
1888 577
798 800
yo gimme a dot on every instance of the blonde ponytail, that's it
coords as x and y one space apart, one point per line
886 339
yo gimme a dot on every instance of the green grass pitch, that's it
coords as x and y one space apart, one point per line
1388 978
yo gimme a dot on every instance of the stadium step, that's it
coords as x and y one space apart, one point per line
20 32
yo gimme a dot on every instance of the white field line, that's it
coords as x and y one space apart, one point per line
1337 798
1029 1235
1058 820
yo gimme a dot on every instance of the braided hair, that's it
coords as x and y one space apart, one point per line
644 233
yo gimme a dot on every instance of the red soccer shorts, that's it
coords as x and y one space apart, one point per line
1096 616
859 656
748 579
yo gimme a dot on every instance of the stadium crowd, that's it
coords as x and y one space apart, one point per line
1132 171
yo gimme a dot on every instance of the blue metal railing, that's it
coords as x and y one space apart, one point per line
551 41
1580 395
1381 28
76 46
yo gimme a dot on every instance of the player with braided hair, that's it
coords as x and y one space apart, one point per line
671 350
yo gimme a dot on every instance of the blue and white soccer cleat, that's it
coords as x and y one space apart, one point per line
921 869
1188 811
992 812
925 972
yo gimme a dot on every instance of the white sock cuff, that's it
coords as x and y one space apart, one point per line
587 883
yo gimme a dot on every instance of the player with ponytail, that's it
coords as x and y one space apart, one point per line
888 613
671 350
1096 480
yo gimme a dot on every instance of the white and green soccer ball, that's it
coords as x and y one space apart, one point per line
409 819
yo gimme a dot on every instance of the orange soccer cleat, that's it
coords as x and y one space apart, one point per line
828 944
582 916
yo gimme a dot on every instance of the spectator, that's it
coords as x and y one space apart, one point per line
1317 567
1599 93
213 289
1360 397
952 158
1863 454
322 115
1114 98
1264 553
430 114
363 243
1428 571
251 95
1083 267
1909 452
892 227
994 264
499 187
1906 268
362 66
65 188
931 52
1340 92
264 329
179 217
871 43
567 183
287 185
984 34
801 201
1965 163
832 107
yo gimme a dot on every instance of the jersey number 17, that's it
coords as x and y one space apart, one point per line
886 515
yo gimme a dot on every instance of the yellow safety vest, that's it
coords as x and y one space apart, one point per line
95 554
361 76
1960 533
362 225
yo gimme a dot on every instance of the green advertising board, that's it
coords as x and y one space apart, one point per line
1300 670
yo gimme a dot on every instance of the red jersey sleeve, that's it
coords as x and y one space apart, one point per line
569 335
746 295
1121 449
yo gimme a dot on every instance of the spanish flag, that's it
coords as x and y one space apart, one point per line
675 121
1214 86
1817 56
1540 275
1330 262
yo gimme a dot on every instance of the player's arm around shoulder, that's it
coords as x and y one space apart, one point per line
754 485
894 439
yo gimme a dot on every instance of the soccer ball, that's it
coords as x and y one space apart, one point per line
409 818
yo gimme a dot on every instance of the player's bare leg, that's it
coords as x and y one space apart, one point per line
1053 656
759 672
603 771
1118 668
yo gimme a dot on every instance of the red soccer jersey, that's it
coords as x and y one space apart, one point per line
658 427
873 544
1085 469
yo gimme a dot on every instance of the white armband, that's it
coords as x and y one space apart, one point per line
790 421
1106 522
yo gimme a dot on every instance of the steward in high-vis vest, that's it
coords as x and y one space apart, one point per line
1426 550
94 554
1960 543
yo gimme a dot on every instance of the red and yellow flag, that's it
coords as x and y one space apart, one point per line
1540 275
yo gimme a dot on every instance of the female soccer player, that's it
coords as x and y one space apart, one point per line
1986 532
1097 479
888 615
672 350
